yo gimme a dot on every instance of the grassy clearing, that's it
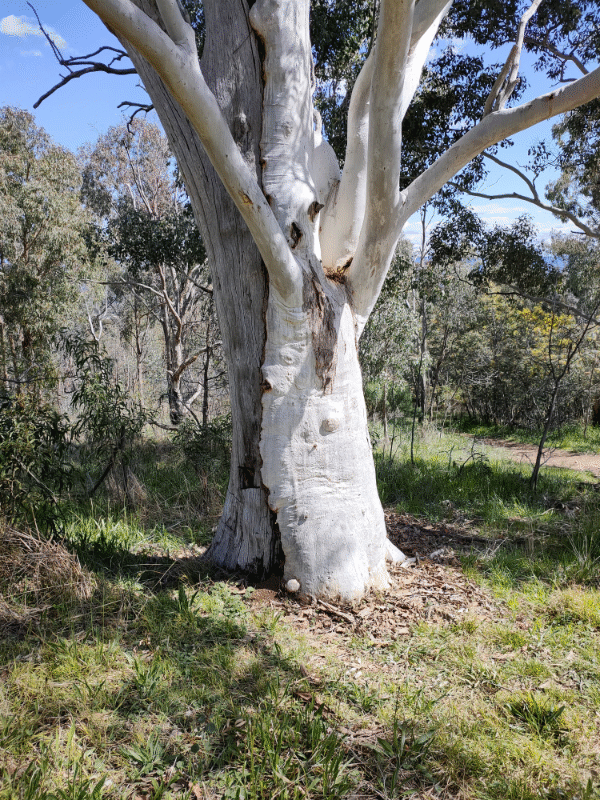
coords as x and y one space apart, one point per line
160 681
571 437
454 477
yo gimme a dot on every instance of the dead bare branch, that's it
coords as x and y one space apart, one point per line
81 65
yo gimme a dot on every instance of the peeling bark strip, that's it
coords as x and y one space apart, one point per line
324 323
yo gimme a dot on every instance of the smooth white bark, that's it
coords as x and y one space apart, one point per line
342 224
342 220
316 454
404 39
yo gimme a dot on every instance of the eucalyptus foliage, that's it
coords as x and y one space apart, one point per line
43 255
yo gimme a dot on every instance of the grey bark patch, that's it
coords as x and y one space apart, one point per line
323 322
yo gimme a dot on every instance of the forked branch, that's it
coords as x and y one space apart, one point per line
508 79
173 56
533 198
492 129
81 65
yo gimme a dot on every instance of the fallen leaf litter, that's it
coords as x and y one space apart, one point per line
433 589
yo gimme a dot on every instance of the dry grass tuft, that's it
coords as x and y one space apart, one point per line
34 570
124 487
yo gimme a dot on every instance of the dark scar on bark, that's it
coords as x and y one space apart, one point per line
314 209
322 321
339 274
296 234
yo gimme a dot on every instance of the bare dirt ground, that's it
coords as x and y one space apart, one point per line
433 589
553 457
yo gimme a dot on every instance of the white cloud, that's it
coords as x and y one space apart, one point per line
22 26
30 52
494 208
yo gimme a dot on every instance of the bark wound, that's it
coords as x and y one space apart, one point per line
295 234
338 274
322 321
247 472
314 209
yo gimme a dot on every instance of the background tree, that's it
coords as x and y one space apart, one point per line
532 329
43 260
43 255
387 343
130 182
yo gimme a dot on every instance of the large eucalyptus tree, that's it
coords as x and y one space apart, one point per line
300 250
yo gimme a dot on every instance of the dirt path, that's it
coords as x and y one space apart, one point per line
553 457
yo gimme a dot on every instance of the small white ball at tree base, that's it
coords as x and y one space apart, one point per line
292 585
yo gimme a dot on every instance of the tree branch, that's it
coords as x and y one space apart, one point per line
97 67
178 67
534 199
177 27
385 120
145 108
85 62
182 367
508 79
403 43
556 52
512 168
341 227
492 129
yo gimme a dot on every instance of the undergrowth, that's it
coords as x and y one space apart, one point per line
163 680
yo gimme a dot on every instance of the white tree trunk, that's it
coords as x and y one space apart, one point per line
317 462
247 537
315 447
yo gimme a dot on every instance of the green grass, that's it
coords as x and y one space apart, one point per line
453 478
567 437
166 683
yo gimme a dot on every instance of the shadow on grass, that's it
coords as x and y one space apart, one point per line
161 489
185 688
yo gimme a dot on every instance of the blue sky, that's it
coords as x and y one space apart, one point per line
86 107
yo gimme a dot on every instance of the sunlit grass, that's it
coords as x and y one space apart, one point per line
574 437
165 683
451 478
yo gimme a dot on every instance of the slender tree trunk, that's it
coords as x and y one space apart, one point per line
540 451
205 370
3 358
385 417
138 352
